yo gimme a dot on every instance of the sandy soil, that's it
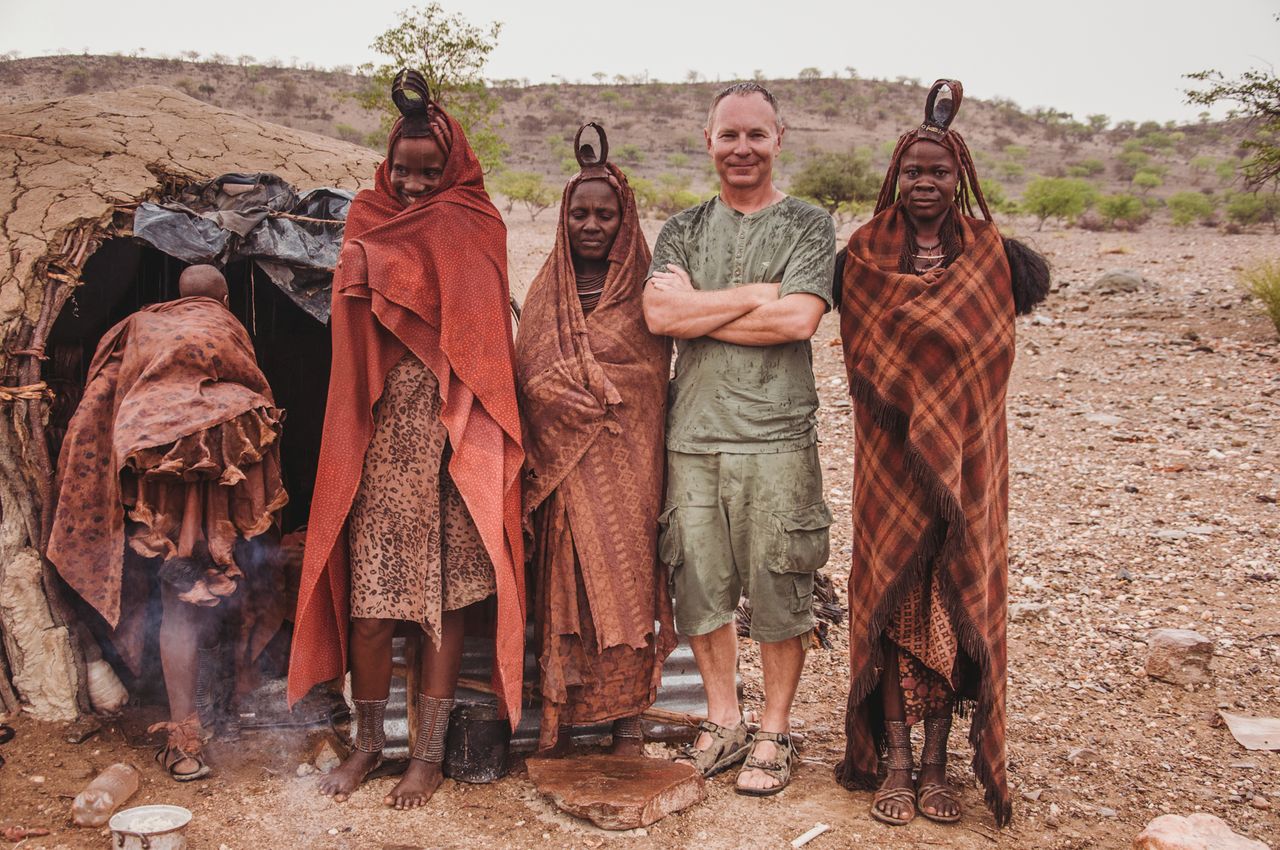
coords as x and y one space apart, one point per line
1163 516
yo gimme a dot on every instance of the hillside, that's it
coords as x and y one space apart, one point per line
655 127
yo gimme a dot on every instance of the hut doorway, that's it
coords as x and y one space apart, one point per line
293 350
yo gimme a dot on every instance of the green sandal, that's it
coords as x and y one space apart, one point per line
778 768
729 745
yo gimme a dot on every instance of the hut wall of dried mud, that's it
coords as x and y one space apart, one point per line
71 173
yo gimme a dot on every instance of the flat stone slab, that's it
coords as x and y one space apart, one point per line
617 792
1195 832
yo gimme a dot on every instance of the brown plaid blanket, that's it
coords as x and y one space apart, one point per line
928 365
593 393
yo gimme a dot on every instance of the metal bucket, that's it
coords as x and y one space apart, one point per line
477 745
150 828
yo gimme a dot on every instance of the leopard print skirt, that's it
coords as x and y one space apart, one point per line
414 548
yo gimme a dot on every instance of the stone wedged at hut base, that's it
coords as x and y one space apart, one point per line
617 792
1194 832
1179 656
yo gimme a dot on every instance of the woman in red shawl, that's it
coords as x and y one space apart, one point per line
417 516
929 294
593 390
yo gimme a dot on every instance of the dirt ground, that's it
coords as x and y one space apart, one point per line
1145 471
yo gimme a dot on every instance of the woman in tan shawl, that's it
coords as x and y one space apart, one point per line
592 383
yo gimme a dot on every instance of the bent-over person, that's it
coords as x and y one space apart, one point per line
592 381
174 453
417 516
741 281
927 319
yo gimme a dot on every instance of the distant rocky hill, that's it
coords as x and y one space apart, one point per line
655 127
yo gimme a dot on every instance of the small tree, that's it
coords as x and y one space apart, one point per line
1056 197
1086 168
1189 207
450 52
1098 123
1122 212
1130 162
810 74
527 188
1246 208
1201 166
1257 93
1145 181
834 179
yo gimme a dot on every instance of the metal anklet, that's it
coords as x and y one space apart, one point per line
898 745
936 732
370 734
206 674
433 723
628 727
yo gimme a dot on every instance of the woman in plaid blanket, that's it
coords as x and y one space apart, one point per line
928 298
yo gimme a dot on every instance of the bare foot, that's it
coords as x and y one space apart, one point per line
895 808
941 805
420 781
346 777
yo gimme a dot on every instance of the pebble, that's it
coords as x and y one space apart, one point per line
327 758
1019 611
1179 657
1083 755
306 769
1260 802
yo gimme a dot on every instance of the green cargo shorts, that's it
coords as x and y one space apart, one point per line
744 524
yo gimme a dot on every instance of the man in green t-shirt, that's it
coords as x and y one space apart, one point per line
741 282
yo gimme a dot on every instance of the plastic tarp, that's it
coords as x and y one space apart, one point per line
258 217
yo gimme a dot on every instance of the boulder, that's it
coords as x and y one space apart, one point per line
1194 832
1179 656
617 792
1119 280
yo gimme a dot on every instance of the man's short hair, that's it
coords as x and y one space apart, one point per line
745 88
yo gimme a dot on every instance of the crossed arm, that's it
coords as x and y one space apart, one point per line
752 314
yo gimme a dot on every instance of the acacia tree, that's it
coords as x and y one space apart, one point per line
1257 94
836 180
450 52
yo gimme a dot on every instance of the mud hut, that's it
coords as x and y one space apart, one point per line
72 174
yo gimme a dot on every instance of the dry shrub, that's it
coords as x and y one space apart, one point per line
1263 280
1091 221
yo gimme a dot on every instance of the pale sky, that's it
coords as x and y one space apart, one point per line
1124 58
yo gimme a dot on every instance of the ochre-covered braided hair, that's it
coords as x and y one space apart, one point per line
938 115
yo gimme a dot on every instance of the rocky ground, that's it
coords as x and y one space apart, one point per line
1145 472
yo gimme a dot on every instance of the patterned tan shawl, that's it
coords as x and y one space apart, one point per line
593 394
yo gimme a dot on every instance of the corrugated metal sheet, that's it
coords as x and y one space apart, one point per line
681 690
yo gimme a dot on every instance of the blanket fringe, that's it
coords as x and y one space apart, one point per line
940 543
